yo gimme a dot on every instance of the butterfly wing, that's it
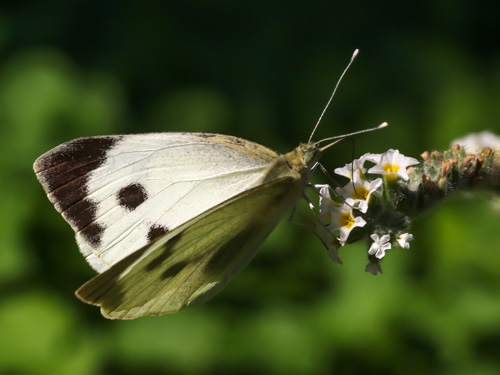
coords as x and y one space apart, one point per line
120 193
193 262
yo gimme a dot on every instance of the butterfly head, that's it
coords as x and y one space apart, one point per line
296 163
303 158
311 154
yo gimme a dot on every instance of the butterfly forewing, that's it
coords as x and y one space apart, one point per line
194 261
120 193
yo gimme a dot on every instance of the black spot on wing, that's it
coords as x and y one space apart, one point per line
174 270
132 196
156 231
166 252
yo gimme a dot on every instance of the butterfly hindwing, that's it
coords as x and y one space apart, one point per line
194 261
120 193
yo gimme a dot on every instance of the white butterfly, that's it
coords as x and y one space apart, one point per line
169 218
166 219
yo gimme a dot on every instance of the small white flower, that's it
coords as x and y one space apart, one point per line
344 220
379 245
391 164
350 168
337 217
404 240
475 141
326 204
357 193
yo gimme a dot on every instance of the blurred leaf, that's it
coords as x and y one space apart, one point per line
40 336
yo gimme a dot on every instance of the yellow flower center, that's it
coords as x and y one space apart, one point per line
391 168
361 174
347 220
360 193
391 178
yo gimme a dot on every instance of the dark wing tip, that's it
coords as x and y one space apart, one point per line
63 171
80 151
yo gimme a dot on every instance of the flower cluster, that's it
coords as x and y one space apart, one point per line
362 208
386 190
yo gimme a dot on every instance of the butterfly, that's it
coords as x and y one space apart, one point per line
167 219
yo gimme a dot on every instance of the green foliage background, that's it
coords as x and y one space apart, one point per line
262 71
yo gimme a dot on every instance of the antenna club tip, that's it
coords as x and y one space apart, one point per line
382 125
356 51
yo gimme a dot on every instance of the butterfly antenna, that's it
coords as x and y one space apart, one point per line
344 136
333 93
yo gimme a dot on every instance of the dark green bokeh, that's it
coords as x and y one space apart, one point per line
262 72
